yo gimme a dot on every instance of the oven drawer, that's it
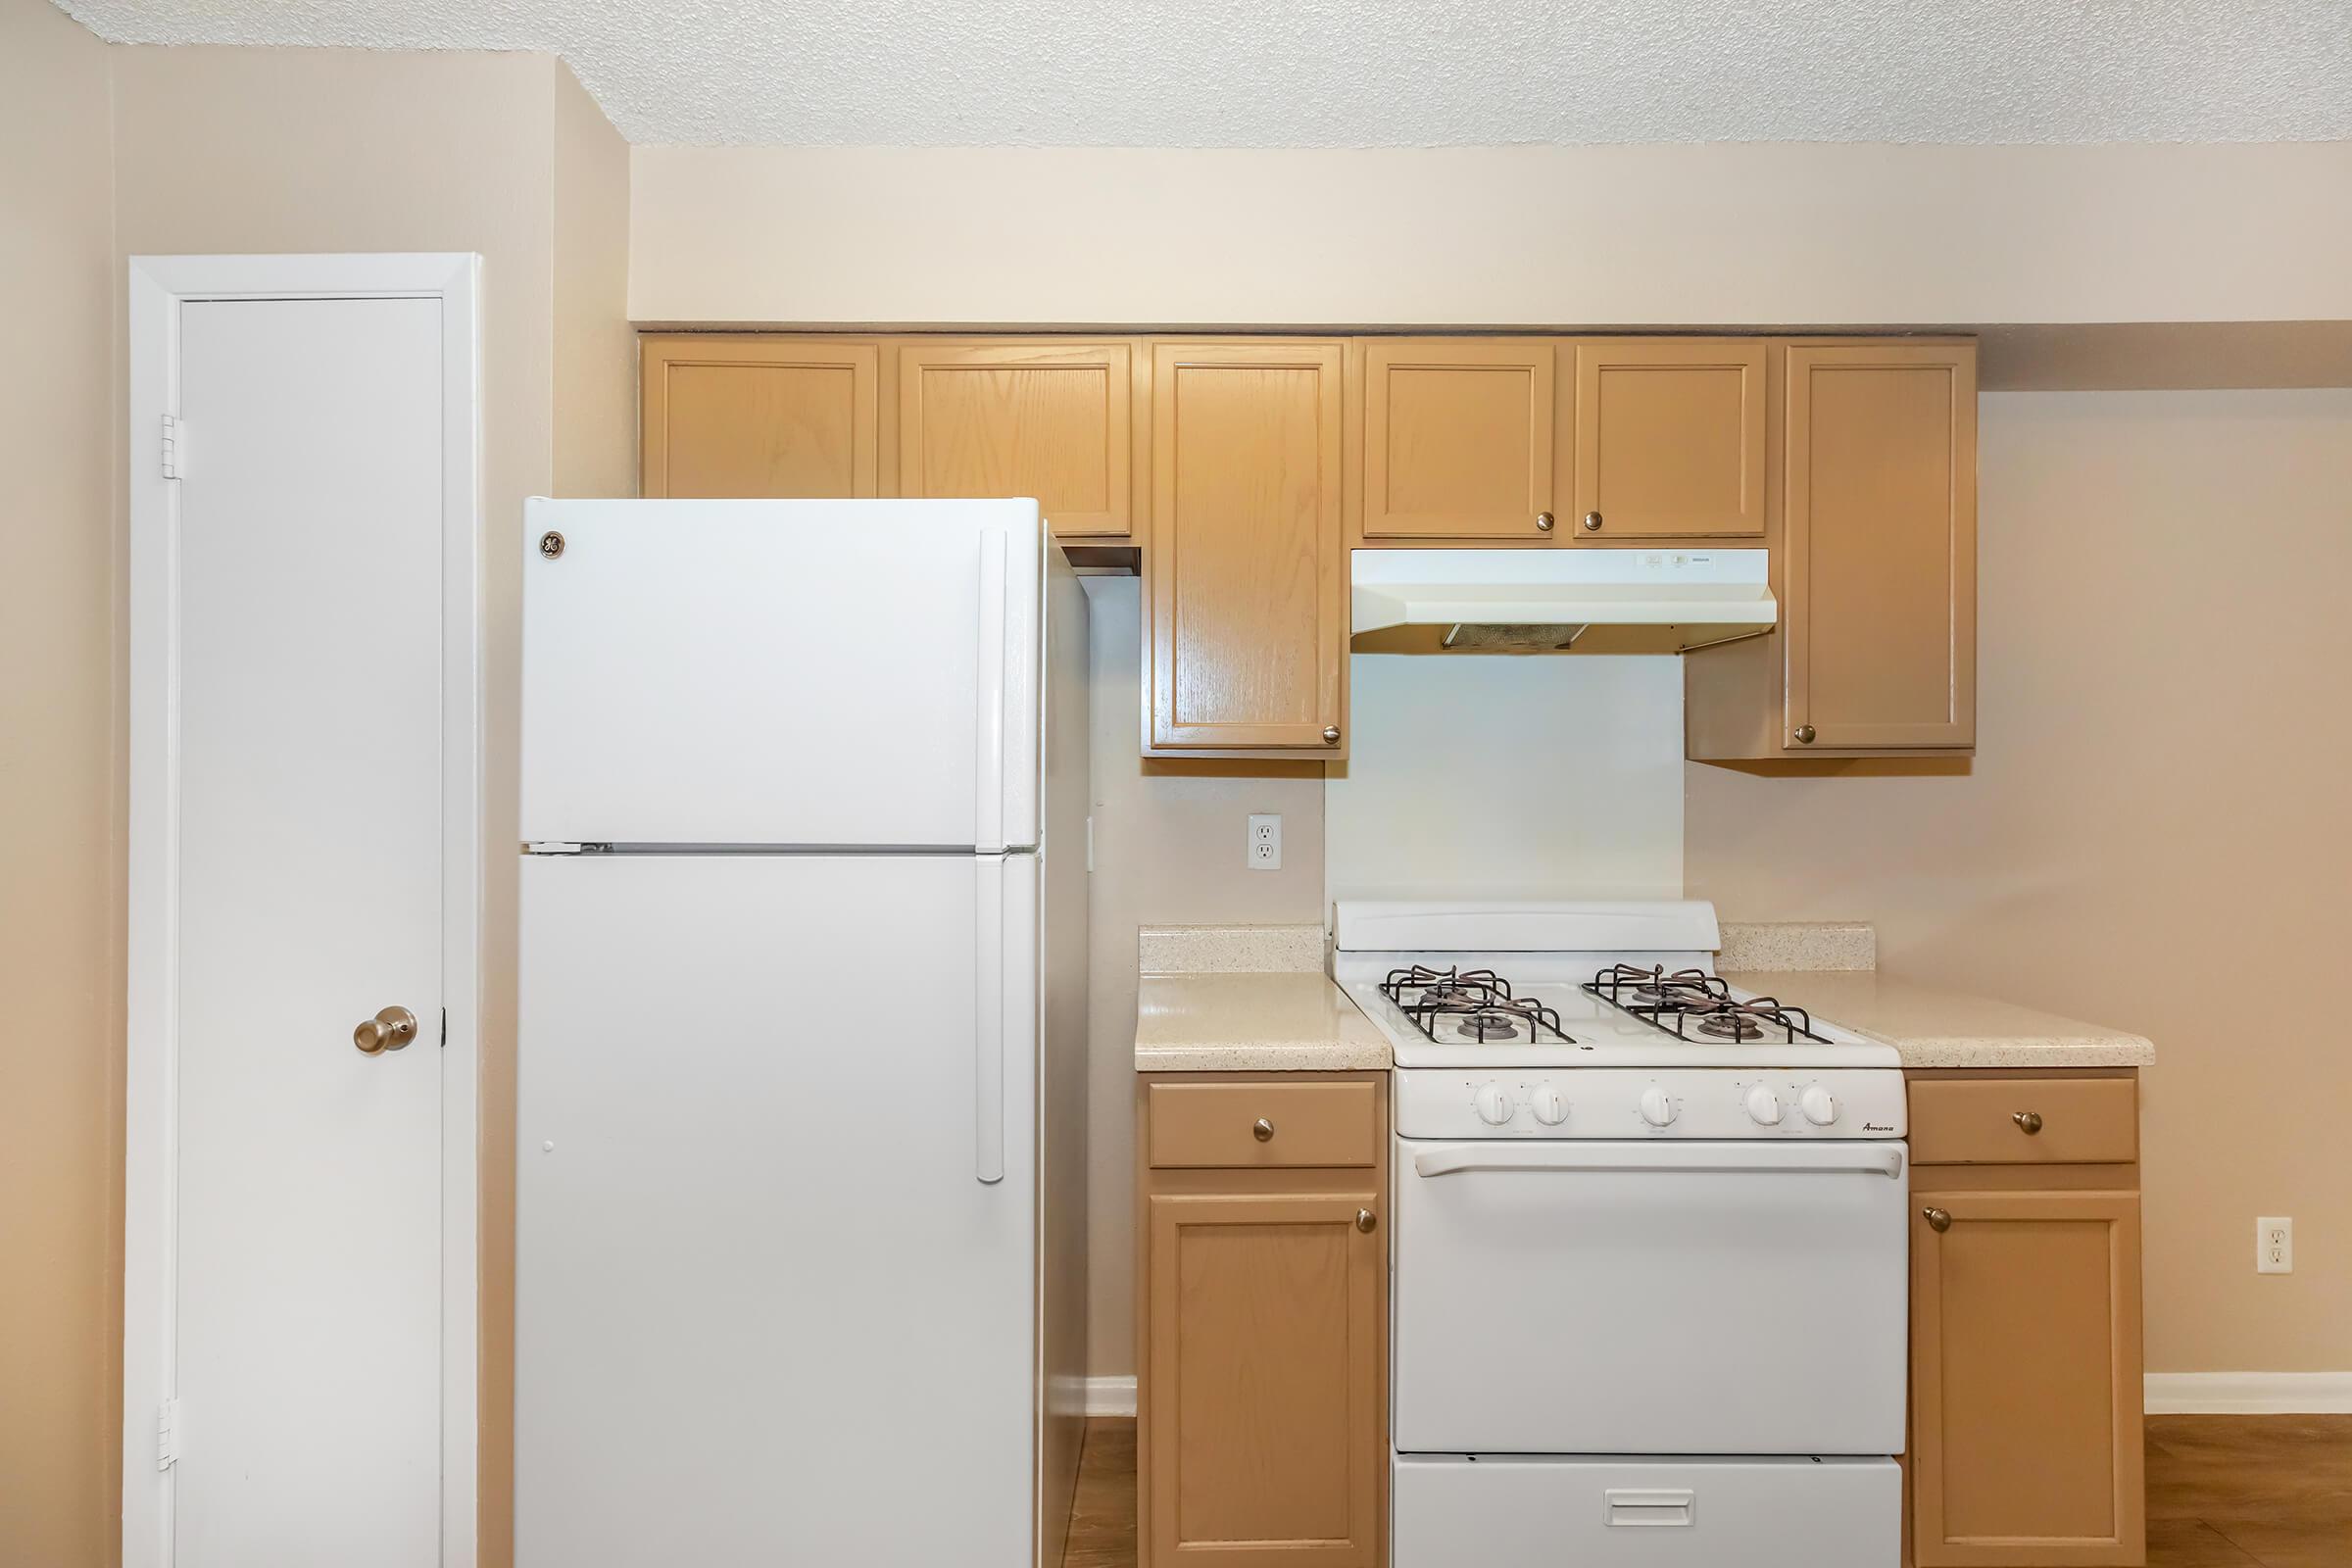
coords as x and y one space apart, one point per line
2025 1121
1732 1297
1244 1126
1521 1513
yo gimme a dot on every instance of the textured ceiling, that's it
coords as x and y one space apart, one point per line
1372 73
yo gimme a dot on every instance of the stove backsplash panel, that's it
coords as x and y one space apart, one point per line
1498 776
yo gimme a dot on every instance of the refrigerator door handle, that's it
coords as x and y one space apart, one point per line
988 1072
987 794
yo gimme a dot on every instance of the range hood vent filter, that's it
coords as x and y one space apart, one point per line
1514 637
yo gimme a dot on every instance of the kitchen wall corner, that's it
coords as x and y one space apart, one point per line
1168 852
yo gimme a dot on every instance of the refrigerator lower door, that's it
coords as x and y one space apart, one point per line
806 674
775 1251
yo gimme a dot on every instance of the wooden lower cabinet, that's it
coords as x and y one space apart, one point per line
2026 1360
1263 1329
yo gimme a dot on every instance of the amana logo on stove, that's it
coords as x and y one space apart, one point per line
1876 1127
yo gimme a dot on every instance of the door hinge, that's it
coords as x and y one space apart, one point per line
174 446
562 846
167 1434
445 1028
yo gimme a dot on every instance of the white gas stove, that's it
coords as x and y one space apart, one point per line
1649 1249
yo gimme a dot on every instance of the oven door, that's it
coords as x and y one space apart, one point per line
1658 1298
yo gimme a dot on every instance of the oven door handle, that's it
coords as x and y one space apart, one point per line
1871 1159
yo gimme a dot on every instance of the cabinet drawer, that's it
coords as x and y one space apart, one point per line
1217 1124
1987 1121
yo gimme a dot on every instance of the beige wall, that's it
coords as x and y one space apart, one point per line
595 347
504 154
1168 852
60 802
2152 834
1754 233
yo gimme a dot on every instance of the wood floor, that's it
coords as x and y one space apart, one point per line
2224 1492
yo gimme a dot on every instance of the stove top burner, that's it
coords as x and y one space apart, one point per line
1488 1024
1730 1025
1473 1006
1692 1003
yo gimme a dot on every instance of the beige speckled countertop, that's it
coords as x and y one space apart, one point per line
1247 998
1936 1028
1252 1023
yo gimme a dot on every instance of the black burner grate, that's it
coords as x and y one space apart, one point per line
1480 1001
1695 1005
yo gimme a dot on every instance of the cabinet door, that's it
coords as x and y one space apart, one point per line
1246 625
1457 439
1267 1441
1049 420
733 417
1669 439
1881 557
2025 1379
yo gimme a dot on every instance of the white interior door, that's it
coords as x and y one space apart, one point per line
775 1210
308 1277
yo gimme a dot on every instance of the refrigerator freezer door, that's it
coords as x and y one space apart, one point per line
826 673
764 1295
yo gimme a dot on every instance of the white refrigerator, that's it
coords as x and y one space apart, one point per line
800 1262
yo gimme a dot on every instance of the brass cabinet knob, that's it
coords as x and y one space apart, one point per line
1543 523
1365 1220
1804 734
1262 1130
1331 734
388 1030
2027 1122
1591 522
1939 1220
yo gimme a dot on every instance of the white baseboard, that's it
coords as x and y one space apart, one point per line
1111 1395
2168 1394
2249 1393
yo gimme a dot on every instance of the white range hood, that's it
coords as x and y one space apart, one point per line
1585 601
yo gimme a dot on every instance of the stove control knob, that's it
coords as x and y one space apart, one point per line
1550 1106
1656 1109
1494 1105
1764 1106
1819 1105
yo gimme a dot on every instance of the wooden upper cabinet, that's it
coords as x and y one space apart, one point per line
1458 439
1267 1433
760 416
1050 421
1880 564
1669 440
2026 1378
1246 628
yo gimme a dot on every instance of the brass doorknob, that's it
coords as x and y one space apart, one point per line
388 1030
1591 522
1543 523
1365 1220
1804 734
2027 1122
1262 1130
1331 734
1939 1220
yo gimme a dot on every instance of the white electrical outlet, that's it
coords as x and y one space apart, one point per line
2274 1245
1266 844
